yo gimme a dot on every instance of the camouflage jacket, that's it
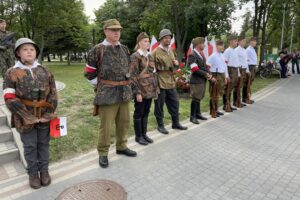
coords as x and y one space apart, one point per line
164 62
109 63
143 75
19 83
199 69
7 56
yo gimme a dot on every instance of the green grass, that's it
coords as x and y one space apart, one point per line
75 102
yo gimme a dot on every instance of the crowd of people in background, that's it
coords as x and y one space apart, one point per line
285 57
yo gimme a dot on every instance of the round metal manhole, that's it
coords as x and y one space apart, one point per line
94 190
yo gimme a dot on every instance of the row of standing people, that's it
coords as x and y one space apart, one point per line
227 72
118 77
30 94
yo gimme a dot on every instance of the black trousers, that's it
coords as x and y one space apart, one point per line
283 70
36 149
293 66
142 109
170 97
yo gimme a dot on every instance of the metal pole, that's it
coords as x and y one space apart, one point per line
291 45
282 29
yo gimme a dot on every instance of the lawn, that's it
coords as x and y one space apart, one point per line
75 102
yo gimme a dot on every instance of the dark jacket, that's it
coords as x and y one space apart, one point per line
112 66
198 76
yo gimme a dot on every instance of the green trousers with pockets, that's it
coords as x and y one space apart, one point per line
120 114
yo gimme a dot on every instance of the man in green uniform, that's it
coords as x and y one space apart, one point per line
165 63
108 69
7 56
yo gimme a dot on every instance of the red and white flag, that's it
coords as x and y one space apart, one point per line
173 43
205 50
213 46
154 44
58 127
190 50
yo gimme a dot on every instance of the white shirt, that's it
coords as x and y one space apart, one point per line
252 56
142 53
193 65
146 56
231 57
217 63
107 43
198 53
243 59
22 66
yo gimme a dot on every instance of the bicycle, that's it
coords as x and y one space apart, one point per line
266 70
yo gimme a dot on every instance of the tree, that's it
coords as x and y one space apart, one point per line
40 19
188 19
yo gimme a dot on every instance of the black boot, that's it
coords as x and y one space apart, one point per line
176 124
193 117
138 132
224 102
198 114
144 132
235 98
218 112
160 126
244 94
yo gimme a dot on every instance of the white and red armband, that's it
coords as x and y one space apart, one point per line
9 93
194 67
89 69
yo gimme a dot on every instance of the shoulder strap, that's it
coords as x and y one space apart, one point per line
100 74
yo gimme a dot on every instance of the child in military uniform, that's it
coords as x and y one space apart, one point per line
145 87
30 94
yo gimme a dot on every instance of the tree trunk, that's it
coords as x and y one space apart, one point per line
48 56
61 58
68 57
255 17
40 58
258 24
263 39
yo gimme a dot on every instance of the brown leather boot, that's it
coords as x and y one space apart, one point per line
45 178
34 181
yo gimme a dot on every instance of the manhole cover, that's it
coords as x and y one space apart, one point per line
94 190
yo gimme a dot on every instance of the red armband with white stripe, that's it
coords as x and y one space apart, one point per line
9 93
194 67
90 69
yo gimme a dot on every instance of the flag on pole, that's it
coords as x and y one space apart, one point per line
58 127
154 44
173 43
205 50
189 50
213 45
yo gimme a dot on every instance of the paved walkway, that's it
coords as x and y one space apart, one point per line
253 153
